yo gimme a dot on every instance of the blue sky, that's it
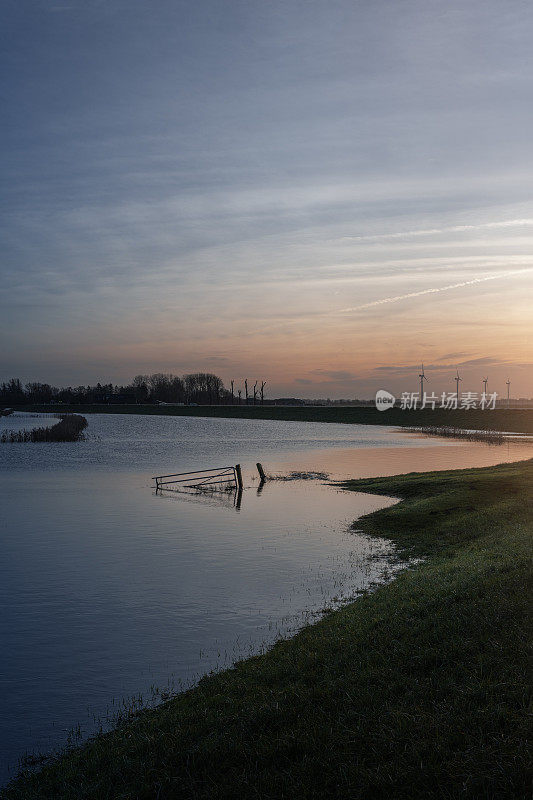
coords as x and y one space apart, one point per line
237 186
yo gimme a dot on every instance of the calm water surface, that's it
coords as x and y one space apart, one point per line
108 589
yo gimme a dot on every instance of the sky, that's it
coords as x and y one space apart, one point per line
322 195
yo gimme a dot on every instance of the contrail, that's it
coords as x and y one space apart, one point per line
435 290
510 223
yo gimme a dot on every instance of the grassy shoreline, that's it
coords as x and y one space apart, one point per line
515 420
416 690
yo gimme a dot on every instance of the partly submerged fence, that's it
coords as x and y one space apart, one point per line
202 478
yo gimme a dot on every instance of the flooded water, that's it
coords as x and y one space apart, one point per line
108 588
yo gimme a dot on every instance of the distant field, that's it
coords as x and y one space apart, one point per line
517 420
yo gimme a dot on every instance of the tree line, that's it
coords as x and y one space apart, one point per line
202 388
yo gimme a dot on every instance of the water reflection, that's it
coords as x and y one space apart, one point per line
217 498
108 587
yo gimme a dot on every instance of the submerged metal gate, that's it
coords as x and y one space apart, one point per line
202 478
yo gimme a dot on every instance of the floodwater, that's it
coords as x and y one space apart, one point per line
109 589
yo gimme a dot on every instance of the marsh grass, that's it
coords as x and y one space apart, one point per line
418 689
307 475
69 429
451 432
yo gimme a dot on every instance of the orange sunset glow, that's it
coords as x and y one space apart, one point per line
325 226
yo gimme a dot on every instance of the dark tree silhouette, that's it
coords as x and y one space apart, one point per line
196 387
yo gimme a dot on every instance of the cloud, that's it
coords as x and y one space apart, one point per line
400 369
510 223
217 359
473 362
453 363
197 200
449 356
436 290
335 375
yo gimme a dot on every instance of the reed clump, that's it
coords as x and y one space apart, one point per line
306 475
449 431
69 429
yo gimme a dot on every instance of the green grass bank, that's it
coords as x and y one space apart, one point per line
416 690
516 420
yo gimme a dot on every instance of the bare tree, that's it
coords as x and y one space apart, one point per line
263 384
246 389
164 387
203 387
232 394
239 392
255 392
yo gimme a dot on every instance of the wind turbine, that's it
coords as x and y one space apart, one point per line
485 381
457 379
423 378
508 382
